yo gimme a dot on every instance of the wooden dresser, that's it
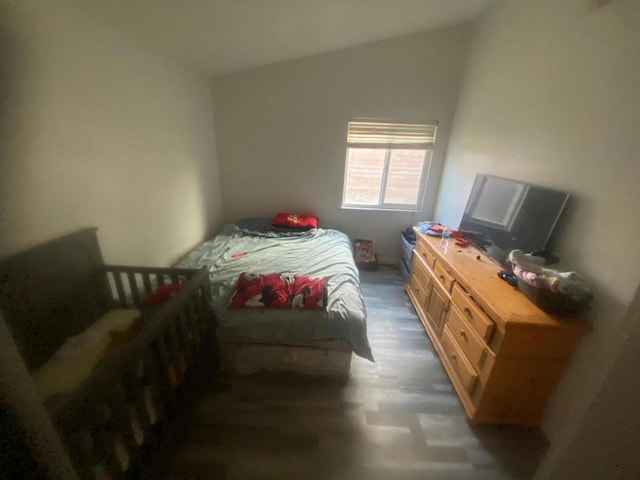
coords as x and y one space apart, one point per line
503 354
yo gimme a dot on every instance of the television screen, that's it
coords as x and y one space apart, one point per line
502 215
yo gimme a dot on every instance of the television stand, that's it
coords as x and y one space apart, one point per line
503 354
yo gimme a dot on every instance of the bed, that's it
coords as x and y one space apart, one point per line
115 371
308 341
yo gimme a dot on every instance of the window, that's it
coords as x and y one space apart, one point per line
387 164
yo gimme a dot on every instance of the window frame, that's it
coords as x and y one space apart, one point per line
389 148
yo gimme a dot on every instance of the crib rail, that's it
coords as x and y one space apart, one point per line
117 421
129 285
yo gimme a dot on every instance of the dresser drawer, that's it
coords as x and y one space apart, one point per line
444 276
456 358
472 313
419 290
424 251
469 341
421 271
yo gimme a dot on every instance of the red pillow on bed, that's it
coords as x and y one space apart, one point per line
278 290
295 221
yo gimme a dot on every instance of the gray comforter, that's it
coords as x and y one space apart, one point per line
316 253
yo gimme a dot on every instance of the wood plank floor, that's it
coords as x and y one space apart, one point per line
397 418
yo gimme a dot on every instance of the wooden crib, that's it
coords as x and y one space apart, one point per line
120 420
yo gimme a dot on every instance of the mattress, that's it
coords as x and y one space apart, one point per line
315 253
76 359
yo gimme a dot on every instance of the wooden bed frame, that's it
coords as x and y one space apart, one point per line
242 354
246 356
120 421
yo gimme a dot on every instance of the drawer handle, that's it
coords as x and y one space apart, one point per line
454 356
463 333
467 310
441 277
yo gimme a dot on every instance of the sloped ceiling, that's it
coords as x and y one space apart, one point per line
220 36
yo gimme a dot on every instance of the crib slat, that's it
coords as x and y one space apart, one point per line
135 390
185 351
123 420
177 333
209 341
146 280
189 348
104 443
160 278
210 325
194 340
200 315
97 432
164 366
122 298
201 320
193 315
183 354
175 278
80 455
201 299
165 347
158 389
113 465
202 308
133 285
175 353
204 347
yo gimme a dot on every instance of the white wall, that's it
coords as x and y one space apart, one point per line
281 129
95 131
604 446
551 97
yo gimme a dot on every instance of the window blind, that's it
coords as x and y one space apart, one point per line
369 133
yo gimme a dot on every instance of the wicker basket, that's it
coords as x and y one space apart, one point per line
553 302
368 266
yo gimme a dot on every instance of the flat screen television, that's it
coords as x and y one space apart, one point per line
502 215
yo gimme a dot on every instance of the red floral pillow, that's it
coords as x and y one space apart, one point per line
295 221
278 290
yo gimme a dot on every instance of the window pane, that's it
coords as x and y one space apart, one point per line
364 176
404 177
